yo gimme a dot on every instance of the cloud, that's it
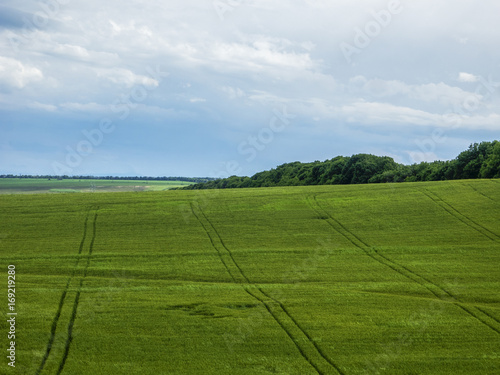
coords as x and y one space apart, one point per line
44 107
233 92
386 113
444 94
378 87
259 56
226 77
139 109
16 74
85 107
126 77
467 77
11 17
47 44
197 100
265 97
373 113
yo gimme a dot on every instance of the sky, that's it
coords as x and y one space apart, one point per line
232 87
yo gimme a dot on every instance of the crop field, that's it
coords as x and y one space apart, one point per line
358 279
37 185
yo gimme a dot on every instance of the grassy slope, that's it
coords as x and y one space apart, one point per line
36 185
397 279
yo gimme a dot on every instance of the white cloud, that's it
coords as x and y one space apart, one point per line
373 113
16 74
442 93
85 107
489 122
126 77
170 113
436 93
233 92
197 100
467 77
44 107
140 109
69 50
266 97
385 113
116 28
378 87
260 56
59 47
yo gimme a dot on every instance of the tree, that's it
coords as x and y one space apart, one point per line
491 166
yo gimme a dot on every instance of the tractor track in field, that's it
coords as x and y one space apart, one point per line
63 297
488 314
477 316
55 321
441 293
320 351
225 247
306 346
213 244
74 312
375 255
460 216
477 191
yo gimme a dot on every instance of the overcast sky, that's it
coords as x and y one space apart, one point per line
215 88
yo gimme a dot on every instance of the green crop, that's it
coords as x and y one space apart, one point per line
358 279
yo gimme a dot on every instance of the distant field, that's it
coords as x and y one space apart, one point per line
359 279
35 185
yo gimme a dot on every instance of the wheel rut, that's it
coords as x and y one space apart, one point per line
479 192
304 343
460 216
438 291
61 306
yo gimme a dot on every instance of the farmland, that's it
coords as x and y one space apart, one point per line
37 185
357 279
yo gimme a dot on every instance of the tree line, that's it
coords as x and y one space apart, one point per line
480 160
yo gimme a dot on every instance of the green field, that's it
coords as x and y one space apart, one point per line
37 185
358 279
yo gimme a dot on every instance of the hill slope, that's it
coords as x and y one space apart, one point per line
394 278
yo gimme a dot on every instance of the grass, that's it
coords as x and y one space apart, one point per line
393 278
36 185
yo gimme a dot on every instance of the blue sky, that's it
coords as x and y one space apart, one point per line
215 88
